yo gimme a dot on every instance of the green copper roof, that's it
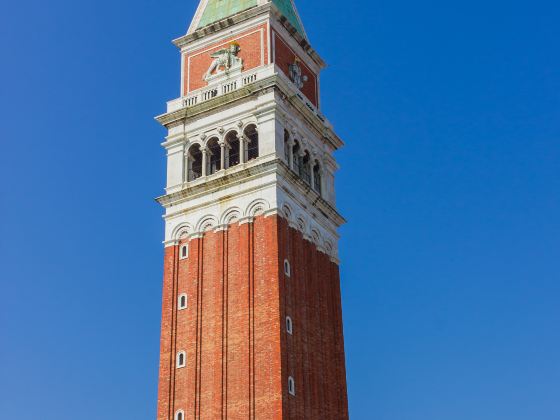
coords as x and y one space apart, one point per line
220 9
286 7
216 10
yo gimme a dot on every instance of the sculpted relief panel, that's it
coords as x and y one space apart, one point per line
231 55
226 61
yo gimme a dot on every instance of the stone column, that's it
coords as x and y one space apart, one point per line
301 154
312 173
242 148
222 155
187 168
291 153
204 161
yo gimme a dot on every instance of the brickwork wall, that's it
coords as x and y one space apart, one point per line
254 52
239 355
284 56
314 354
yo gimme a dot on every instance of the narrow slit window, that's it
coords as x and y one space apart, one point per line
183 301
287 268
289 325
291 386
184 253
181 359
180 415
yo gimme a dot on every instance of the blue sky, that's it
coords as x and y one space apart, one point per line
449 181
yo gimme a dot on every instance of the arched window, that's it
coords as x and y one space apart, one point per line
287 146
291 386
214 156
297 158
194 162
305 172
184 252
289 325
233 155
252 136
183 301
317 180
287 268
181 359
180 415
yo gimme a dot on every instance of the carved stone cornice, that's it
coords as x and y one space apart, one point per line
276 82
246 15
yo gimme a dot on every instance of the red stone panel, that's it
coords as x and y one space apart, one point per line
254 52
211 324
267 322
284 56
314 355
238 325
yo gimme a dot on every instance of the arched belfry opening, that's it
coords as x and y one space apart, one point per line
317 178
233 144
252 137
194 162
214 160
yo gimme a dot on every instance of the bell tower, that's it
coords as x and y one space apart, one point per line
251 316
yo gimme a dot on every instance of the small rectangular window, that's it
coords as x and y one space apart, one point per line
287 268
183 301
181 359
184 252
289 325
291 386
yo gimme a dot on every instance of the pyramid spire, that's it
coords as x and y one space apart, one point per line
212 11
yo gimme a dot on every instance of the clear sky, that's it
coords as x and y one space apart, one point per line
450 183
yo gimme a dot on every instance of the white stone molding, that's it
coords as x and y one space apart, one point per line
287 212
264 186
181 231
216 36
231 216
301 225
309 228
206 223
257 208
